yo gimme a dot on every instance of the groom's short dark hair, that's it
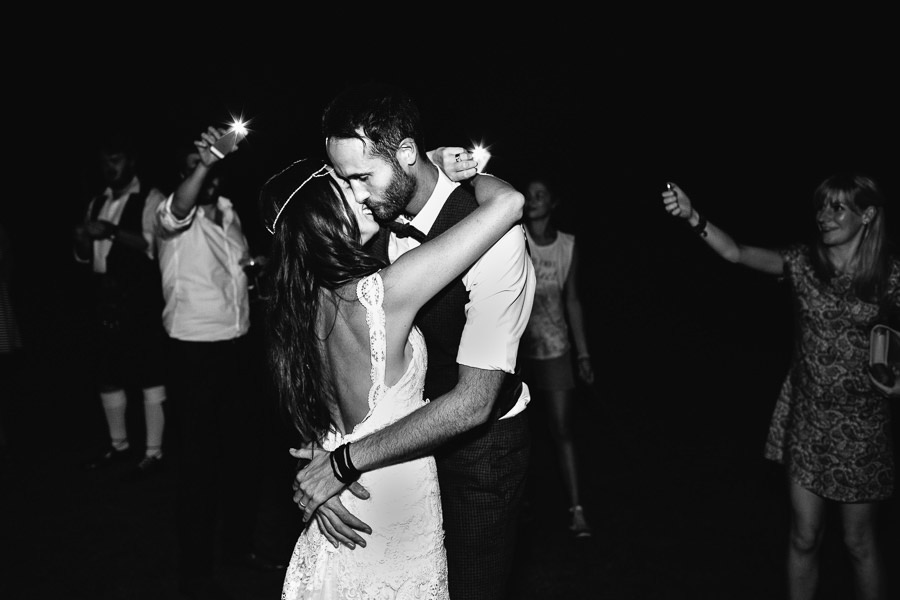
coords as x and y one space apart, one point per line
382 113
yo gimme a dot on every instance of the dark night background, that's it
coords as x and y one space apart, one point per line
689 351
747 121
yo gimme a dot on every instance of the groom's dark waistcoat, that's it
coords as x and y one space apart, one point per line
443 318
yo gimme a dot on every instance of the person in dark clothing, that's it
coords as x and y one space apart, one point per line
116 241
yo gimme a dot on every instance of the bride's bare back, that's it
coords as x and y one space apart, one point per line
346 353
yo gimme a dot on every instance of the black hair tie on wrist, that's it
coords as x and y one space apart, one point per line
342 466
700 227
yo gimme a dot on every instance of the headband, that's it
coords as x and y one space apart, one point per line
271 207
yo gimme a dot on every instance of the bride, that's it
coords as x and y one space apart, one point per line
347 361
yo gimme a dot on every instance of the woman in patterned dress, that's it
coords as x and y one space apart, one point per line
831 424
348 360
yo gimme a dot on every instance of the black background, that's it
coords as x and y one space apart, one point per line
748 114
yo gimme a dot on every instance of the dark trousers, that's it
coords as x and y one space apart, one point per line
130 354
482 476
217 417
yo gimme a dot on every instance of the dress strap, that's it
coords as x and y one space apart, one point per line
370 291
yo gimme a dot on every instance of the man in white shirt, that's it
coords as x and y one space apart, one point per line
475 423
116 239
207 317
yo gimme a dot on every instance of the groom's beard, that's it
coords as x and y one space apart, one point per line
396 195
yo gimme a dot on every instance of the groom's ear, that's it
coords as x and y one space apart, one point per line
407 152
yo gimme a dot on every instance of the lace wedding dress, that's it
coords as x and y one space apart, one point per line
404 558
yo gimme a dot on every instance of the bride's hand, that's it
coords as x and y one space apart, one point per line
457 163
339 526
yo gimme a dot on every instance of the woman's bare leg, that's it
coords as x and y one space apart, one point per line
804 542
559 405
861 540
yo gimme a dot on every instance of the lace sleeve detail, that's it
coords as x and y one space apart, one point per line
370 292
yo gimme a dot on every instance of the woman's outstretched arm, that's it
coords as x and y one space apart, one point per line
677 203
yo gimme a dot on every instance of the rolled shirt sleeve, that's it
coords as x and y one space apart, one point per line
169 224
501 292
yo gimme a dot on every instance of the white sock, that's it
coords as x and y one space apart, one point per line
154 418
114 406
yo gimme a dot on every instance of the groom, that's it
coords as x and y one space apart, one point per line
475 423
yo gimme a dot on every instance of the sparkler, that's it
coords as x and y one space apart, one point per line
228 142
481 155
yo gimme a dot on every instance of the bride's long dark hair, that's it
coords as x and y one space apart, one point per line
315 246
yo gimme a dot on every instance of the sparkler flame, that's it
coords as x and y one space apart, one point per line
237 131
238 126
482 155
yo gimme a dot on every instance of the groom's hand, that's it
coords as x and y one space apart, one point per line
316 483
